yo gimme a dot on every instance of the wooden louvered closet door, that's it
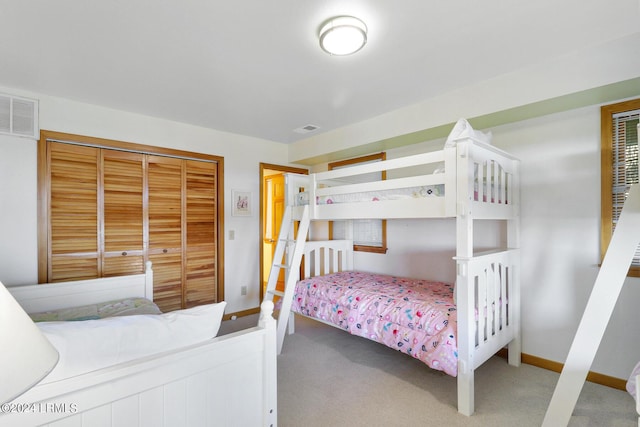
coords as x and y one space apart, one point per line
123 182
73 213
96 212
201 237
182 231
165 230
109 211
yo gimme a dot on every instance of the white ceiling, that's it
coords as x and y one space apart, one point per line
254 67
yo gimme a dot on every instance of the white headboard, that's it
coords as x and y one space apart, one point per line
327 256
55 296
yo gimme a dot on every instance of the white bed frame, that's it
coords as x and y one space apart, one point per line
55 296
229 380
487 283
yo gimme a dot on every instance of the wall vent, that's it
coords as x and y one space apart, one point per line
19 116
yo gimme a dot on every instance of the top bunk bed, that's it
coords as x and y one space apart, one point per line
467 177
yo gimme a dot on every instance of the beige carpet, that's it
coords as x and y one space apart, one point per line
327 377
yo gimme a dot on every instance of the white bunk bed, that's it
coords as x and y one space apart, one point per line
479 182
227 380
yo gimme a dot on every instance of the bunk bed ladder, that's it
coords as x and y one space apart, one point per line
287 256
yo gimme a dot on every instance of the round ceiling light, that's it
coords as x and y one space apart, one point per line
343 35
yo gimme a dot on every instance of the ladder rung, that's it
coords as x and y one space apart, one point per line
281 265
288 240
275 292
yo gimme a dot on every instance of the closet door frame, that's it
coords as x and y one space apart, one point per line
43 190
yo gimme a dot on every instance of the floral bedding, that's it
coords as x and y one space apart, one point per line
416 317
631 383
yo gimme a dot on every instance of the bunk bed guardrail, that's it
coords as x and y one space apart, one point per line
471 178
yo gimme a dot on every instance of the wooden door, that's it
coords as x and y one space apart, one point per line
274 210
200 271
165 230
123 224
73 245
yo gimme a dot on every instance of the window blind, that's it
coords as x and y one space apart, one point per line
625 163
368 234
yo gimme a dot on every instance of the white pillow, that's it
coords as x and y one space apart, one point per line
88 345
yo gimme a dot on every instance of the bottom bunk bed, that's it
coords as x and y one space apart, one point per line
176 372
451 328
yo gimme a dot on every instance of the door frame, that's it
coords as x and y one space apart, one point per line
264 167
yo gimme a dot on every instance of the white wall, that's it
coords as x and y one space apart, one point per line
560 232
560 239
18 211
18 192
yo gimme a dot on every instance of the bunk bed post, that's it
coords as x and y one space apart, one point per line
313 206
464 219
270 382
465 290
450 181
148 281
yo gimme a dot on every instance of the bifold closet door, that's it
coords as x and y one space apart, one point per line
96 212
123 222
165 178
201 232
182 231
111 210
73 244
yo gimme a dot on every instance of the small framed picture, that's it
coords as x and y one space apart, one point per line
241 203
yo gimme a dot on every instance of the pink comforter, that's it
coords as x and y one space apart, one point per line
416 317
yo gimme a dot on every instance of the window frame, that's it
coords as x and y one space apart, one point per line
349 162
607 113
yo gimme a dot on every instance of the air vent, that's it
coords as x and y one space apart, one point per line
19 116
306 129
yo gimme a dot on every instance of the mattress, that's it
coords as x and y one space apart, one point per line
121 307
416 317
373 196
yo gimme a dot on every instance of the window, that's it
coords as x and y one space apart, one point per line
369 235
619 157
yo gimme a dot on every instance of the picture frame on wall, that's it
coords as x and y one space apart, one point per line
241 203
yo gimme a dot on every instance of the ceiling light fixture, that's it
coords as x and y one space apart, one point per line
343 35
